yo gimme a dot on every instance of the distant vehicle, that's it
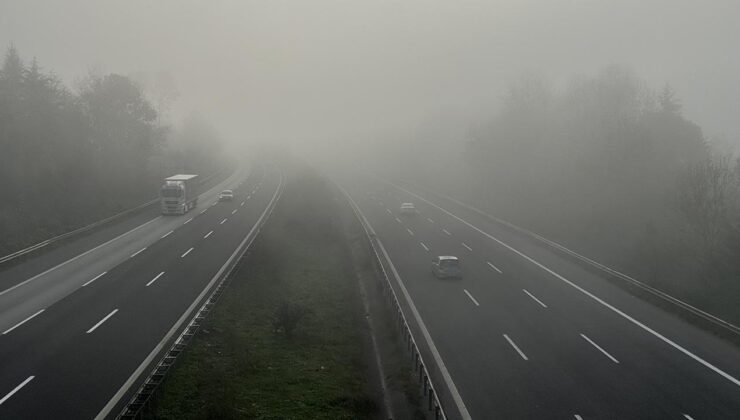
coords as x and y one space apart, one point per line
446 266
226 195
177 195
408 209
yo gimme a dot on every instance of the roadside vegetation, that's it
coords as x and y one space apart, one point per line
607 165
69 157
286 341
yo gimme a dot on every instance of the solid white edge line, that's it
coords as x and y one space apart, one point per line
423 245
471 297
22 322
93 279
422 327
208 234
410 231
155 279
76 257
521 353
432 347
535 298
587 293
16 389
599 348
187 252
494 267
102 321
467 247
223 221
138 252
116 398
167 234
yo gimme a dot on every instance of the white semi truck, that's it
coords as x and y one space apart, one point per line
177 195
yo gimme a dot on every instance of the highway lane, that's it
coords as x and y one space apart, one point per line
17 270
520 342
37 283
84 347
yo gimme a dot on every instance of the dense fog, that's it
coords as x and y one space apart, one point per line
610 126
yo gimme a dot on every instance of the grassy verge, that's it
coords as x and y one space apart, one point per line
243 365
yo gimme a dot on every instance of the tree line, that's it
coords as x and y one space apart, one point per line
71 156
612 168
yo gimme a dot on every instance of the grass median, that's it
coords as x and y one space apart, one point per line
286 339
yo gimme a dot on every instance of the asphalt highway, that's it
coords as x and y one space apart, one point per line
527 334
78 321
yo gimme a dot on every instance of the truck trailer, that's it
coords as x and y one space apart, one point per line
177 195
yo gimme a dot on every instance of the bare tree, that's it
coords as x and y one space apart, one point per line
708 197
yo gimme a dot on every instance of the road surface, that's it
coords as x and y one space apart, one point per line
528 334
77 321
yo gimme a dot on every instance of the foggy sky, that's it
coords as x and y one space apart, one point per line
310 70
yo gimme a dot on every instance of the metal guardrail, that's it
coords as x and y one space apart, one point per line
427 387
141 398
86 228
719 322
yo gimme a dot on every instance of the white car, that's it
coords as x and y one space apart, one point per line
408 209
226 195
446 266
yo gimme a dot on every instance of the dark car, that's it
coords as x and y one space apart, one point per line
226 195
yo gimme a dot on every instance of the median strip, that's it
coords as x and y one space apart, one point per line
250 359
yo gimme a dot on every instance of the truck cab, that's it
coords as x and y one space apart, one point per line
176 195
